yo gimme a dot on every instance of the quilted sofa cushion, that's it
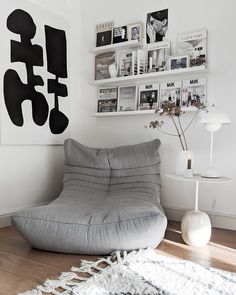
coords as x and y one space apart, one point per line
110 200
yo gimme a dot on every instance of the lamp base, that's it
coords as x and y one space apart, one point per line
211 173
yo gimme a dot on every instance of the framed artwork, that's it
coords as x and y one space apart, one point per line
36 97
135 31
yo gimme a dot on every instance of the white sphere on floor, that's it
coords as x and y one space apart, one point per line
196 228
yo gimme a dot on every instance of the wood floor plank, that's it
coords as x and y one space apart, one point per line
22 267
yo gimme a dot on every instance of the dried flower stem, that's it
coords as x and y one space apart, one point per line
180 138
182 133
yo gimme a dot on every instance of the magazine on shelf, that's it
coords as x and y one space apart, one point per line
120 34
148 96
170 92
195 44
102 64
134 62
104 33
141 61
127 100
193 91
158 54
124 62
107 105
107 93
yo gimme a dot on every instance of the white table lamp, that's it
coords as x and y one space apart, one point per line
213 119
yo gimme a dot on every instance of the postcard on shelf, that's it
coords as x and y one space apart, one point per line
158 54
148 96
104 34
170 92
194 92
103 63
120 34
124 62
107 93
157 26
195 44
107 105
179 62
135 32
127 98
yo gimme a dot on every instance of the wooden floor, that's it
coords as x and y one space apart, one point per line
22 267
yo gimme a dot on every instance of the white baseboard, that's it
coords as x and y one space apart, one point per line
5 217
220 220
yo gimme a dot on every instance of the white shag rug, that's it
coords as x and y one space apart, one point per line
140 272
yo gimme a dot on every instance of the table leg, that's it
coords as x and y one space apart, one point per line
196 195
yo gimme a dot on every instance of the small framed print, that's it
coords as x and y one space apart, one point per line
148 96
120 34
135 31
179 62
104 34
127 98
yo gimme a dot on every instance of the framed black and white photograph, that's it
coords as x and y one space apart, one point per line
179 62
120 34
102 65
148 96
108 93
127 98
107 105
156 26
104 34
135 31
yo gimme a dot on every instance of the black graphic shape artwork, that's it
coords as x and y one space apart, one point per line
15 91
56 65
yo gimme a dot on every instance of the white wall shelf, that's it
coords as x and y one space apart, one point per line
135 113
117 46
150 77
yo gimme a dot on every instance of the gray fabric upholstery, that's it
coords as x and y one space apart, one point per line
110 201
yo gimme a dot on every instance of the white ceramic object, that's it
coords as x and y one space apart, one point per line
196 228
182 162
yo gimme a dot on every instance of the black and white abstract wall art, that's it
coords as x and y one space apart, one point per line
35 101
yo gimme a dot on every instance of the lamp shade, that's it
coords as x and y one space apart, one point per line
213 118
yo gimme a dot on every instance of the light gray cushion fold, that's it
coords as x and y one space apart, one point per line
110 201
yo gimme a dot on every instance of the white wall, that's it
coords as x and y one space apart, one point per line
184 15
32 175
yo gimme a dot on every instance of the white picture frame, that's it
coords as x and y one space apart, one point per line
135 31
127 98
179 62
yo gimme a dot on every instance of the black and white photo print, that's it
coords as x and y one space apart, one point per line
157 25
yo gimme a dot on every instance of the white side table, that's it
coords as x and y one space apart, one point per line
196 225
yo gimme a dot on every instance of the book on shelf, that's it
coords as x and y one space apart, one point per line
120 34
107 93
141 61
193 92
127 100
158 55
102 64
104 33
125 62
107 105
195 44
148 96
170 92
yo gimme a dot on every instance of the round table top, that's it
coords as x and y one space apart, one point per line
199 178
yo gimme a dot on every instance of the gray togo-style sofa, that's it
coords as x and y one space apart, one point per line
110 201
